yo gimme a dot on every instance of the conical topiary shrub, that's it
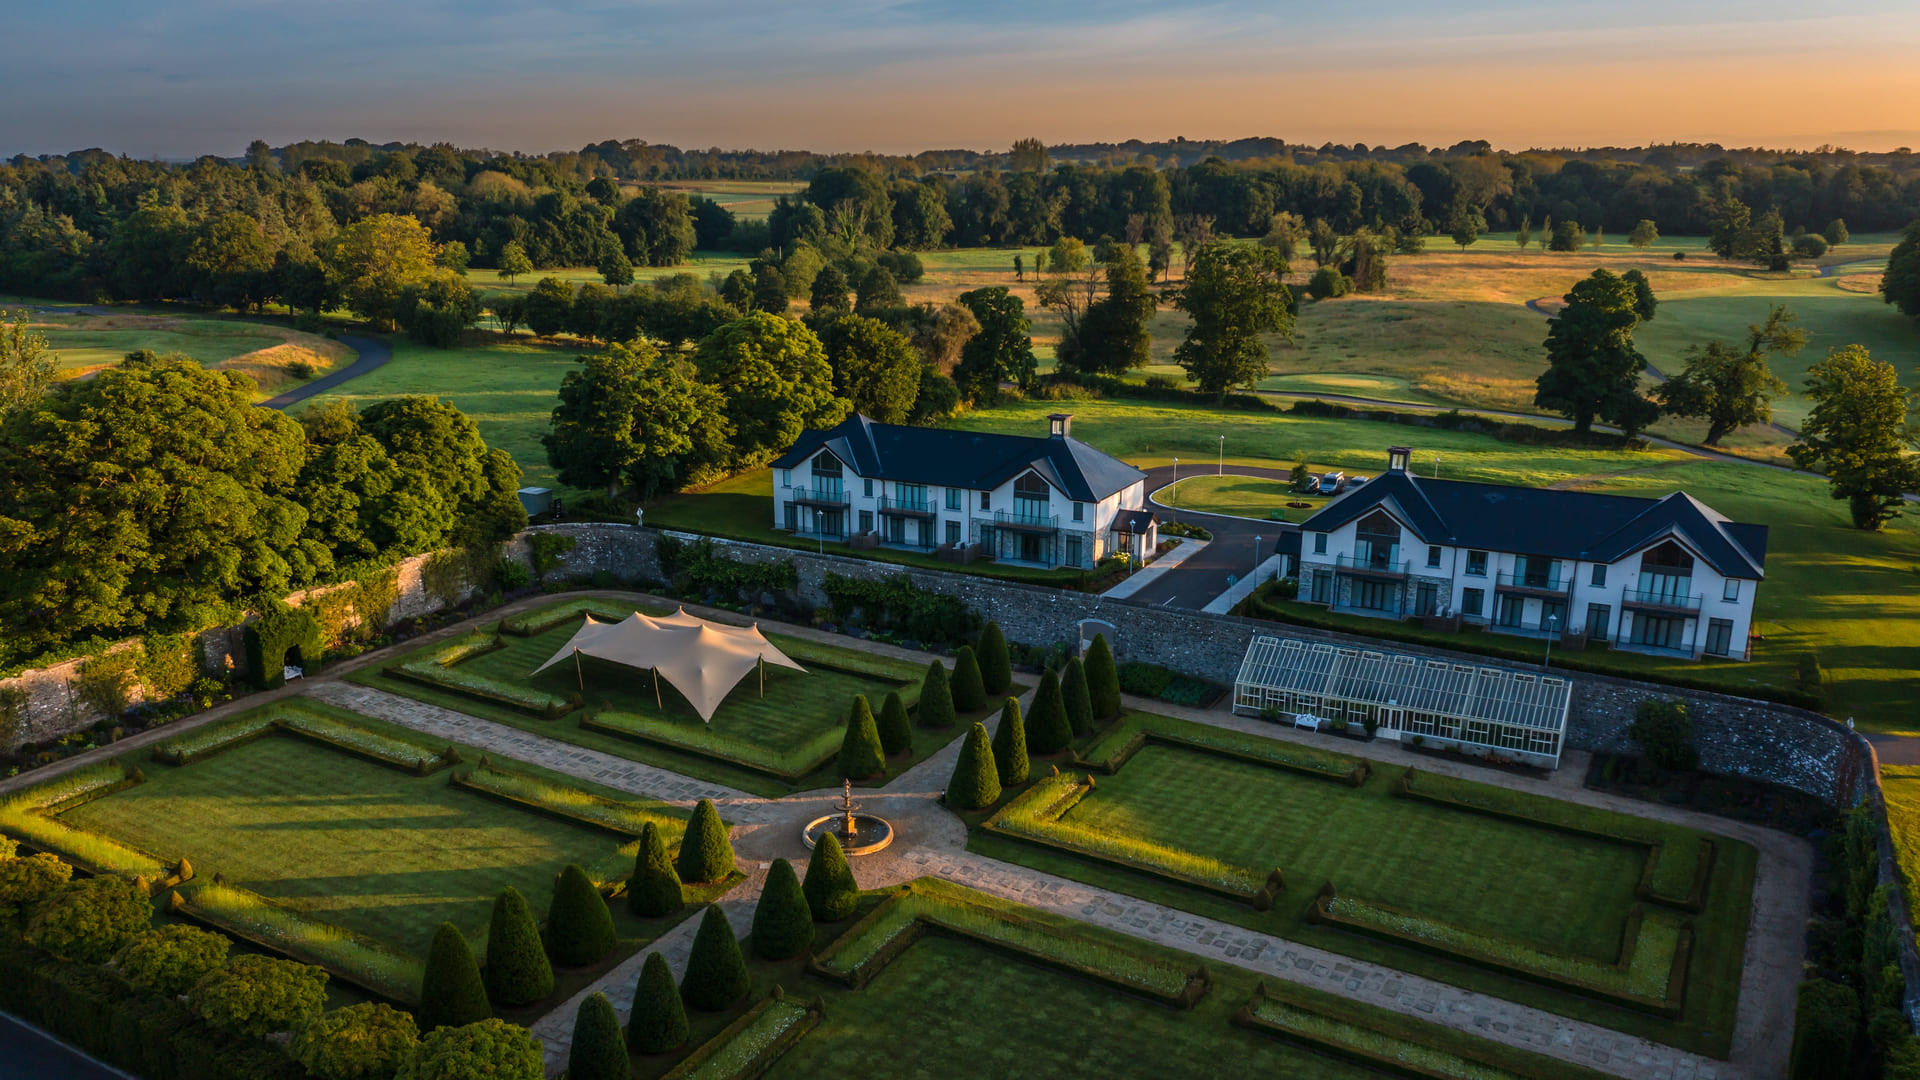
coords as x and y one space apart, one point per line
517 972
716 972
1010 745
996 670
654 888
861 754
451 993
830 889
1073 690
599 1049
782 919
896 732
706 855
1103 679
936 697
969 693
579 926
659 1019
1048 730
976 779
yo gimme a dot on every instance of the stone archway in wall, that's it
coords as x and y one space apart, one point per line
1091 627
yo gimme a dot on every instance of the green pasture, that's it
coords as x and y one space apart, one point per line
206 340
746 198
1238 496
1552 889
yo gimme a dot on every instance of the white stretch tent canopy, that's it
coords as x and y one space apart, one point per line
703 660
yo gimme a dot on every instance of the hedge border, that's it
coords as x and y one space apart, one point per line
286 718
181 903
537 622
1669 1007
859 975
40 826
466 781
1355 776
785 775
811 1012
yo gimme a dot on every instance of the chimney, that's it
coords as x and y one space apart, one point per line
1397 458
1060 424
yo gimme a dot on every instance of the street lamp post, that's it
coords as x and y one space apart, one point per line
1436 466
1173 491
1553 629
1256 556
819 534
1221 469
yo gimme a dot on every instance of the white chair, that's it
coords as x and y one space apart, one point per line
289 673
1306 720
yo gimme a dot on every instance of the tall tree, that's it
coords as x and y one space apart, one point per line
1645 304
27 363
374 260
1323 241
1028 155
1731 386
1002 351
1859 433
1593 369
1644 234
775 381
1732 233
1234 294
1523 234
513 261
549 307
875 368
1900 285
829 291
1285 234
1465 225
1113 335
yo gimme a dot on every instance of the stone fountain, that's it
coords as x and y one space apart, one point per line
859 834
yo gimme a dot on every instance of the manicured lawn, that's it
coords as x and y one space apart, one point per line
1555 890
262 351
1901 786
1239 496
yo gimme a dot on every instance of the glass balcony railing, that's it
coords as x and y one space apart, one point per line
1374 564
1548 582
817 496
1661 598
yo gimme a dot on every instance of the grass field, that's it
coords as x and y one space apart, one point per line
1565 893
1239 496
746 198
263 351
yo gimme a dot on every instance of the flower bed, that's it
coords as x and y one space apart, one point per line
789 766
1036 817
1391 1043
884 933
750 1045
295 718
1651 974
348 956
1675 875
1132 733
31 814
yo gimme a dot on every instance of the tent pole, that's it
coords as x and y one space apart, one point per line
582 679
761 663
657 703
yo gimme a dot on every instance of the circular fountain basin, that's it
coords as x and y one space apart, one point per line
870 833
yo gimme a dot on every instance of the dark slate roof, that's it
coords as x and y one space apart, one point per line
964 459
1556 524
1132 521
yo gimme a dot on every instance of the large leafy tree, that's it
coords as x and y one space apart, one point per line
628 415
1234 294
374 260
1900 285
1593 369
147 496
1731 386
874 367
27 364
1858 432
436 446
1113 336
1002 351
231 260
775 379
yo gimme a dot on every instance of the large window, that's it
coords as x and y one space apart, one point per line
1323 588
1477 563
911 496
866 521
1073 550
826 475
953 533
1660 632
1375 595
1377 542
1030 497
953 498
1471 601
1598 615
1719 636
1536 572
1426 599
793 518
1511 609
1666 573
1553 615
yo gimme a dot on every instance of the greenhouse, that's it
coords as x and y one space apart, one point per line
1480 709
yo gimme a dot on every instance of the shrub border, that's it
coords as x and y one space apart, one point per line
1355 776
39 824
811 1011
467 782
273 719
184 905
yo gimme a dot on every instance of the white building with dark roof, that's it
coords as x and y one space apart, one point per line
1670 576
1049 501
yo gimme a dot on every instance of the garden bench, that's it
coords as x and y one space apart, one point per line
289 673
1306 720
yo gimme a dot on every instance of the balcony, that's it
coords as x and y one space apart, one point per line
1372 567
1660 600
1033 523
1547 586
913 508
830 498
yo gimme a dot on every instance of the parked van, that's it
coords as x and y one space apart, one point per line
1333 483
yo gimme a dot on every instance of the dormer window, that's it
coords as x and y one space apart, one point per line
1397 458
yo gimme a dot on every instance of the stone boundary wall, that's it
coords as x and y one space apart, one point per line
54 707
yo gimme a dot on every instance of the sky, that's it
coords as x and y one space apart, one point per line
181 78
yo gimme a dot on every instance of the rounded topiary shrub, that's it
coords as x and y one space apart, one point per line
1048 729
90 920
358 1042
996 670
599 1050
1073 690
494 1049
168 961
936 697
517 971
579 926
654 888
1010 745
282 634
658 1022
896 731
1103 679
782 919
861 754
976 779
969 692
27 880
830 889
451 992
259 995
716 972
706 855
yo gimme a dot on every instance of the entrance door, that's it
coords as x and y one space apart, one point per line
1511 608
1029 548
896 530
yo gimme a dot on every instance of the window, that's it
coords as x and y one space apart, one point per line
1599 575
1553 615
1319 543
1376 596
1597 618
1511 609
1660 632
1079 511
953 533
786 477
869 488
1732 590
1471 601
986 500
910 496
793 518
1477 563
826 465
1666 573
1377 542
1719 636
1073 547
1536 572
1426 599
1323 588
1433 555
1030 498
953 498
866 521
